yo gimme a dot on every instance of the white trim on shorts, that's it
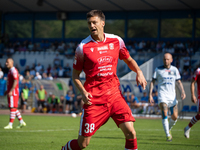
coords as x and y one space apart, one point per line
81 122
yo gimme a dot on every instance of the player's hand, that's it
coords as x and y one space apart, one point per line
194 99
140 79
151 101
183 96
87 98
10 94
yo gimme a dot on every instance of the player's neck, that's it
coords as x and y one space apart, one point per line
98 38
168 66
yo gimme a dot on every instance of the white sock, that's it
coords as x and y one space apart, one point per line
10 123
171 123
166 126
21 121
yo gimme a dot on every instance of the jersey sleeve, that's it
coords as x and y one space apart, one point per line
123 52
14 74
178 76
196 74
79 58
155 74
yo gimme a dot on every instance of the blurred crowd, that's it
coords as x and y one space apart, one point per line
141 105
72 102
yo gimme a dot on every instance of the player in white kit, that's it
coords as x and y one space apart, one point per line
166 77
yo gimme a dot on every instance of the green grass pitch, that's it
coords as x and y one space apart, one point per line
52 132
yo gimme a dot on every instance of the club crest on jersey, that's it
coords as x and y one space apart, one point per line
103 59
111 46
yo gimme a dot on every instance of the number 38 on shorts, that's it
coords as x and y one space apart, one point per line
89 128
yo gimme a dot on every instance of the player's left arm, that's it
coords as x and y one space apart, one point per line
180 86
13 87
140 79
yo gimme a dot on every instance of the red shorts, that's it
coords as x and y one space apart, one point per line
13 101
94 116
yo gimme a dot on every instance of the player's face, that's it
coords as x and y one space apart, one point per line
9 63
167 60
96 25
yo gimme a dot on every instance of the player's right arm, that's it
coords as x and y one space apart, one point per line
150 91
13 88
192 88
86 96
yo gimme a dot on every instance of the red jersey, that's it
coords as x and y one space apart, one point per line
196 77
13 75
99 62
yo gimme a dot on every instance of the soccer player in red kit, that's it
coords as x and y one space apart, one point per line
195 79
97 56
13 94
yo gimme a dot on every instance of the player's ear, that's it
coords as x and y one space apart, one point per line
103 23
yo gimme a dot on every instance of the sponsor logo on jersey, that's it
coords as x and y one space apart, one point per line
111 46
104 59
172 73
102 48
101 52
105 74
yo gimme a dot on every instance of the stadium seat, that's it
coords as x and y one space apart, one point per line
185 109
193 108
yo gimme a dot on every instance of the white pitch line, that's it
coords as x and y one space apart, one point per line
51 130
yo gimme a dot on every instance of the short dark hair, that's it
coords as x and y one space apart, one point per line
98 13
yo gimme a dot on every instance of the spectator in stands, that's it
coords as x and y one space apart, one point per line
41 95
127 96
38 76
78 103
49 76
27 76
155 98
32 72
49 69
56 60
56 44
54 102
61 47
190 50
54 72
47 45
62 104
142 45
67 69
137 106
186 60
61 72
44 76
69 99
24 98
38 68
1 73
153 46
145 101
42 45
30 46
49 103
144 98
69 52
158 46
